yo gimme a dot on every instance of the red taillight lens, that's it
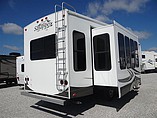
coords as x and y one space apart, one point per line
65 82
61 82
74 94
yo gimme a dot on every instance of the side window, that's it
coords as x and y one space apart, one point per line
132 44
22 67
79 51
102 56
121 51
128 55
136 54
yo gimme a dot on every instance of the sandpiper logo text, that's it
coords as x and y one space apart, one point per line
44 25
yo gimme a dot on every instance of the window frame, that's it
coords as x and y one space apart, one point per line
77 65
122 52
42 51
106 51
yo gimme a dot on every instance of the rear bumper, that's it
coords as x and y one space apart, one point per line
44 97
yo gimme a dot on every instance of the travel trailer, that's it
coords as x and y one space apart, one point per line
8 69
68 55
20 70
149 61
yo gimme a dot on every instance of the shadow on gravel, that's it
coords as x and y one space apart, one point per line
72 109
6 86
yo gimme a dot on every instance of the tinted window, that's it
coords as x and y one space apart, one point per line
132 44
136 54
121 51
43 48
79 51
102 57
22 67
128 55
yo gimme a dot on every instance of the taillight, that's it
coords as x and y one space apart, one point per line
26 79
61 82
65 82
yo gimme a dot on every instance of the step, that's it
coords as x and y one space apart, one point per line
60 38
61 59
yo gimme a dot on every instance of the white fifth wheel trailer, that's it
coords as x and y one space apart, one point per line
67 55
149 61
20 70
8 69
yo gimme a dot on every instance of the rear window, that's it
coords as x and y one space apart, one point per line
43 48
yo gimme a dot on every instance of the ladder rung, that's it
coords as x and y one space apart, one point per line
59 20
60 63
61 52
59 59
61 69
61 28
61 49
60 73
60 38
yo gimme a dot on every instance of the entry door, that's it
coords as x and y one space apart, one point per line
102 55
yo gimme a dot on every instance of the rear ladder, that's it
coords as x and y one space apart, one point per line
60 28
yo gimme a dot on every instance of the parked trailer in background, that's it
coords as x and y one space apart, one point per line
8 69
149 61
20 70
67 55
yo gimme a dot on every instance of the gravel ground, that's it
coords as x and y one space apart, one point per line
142 104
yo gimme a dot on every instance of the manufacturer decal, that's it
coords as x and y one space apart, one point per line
44 25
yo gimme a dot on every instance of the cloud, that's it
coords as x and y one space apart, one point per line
14 48
98 9
152 49
11 28
124 5
11 4
141 34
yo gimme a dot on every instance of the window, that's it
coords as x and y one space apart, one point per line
132 44
121 51
128 55
102 57
43 48
143 56
22 67
136 54
79 51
